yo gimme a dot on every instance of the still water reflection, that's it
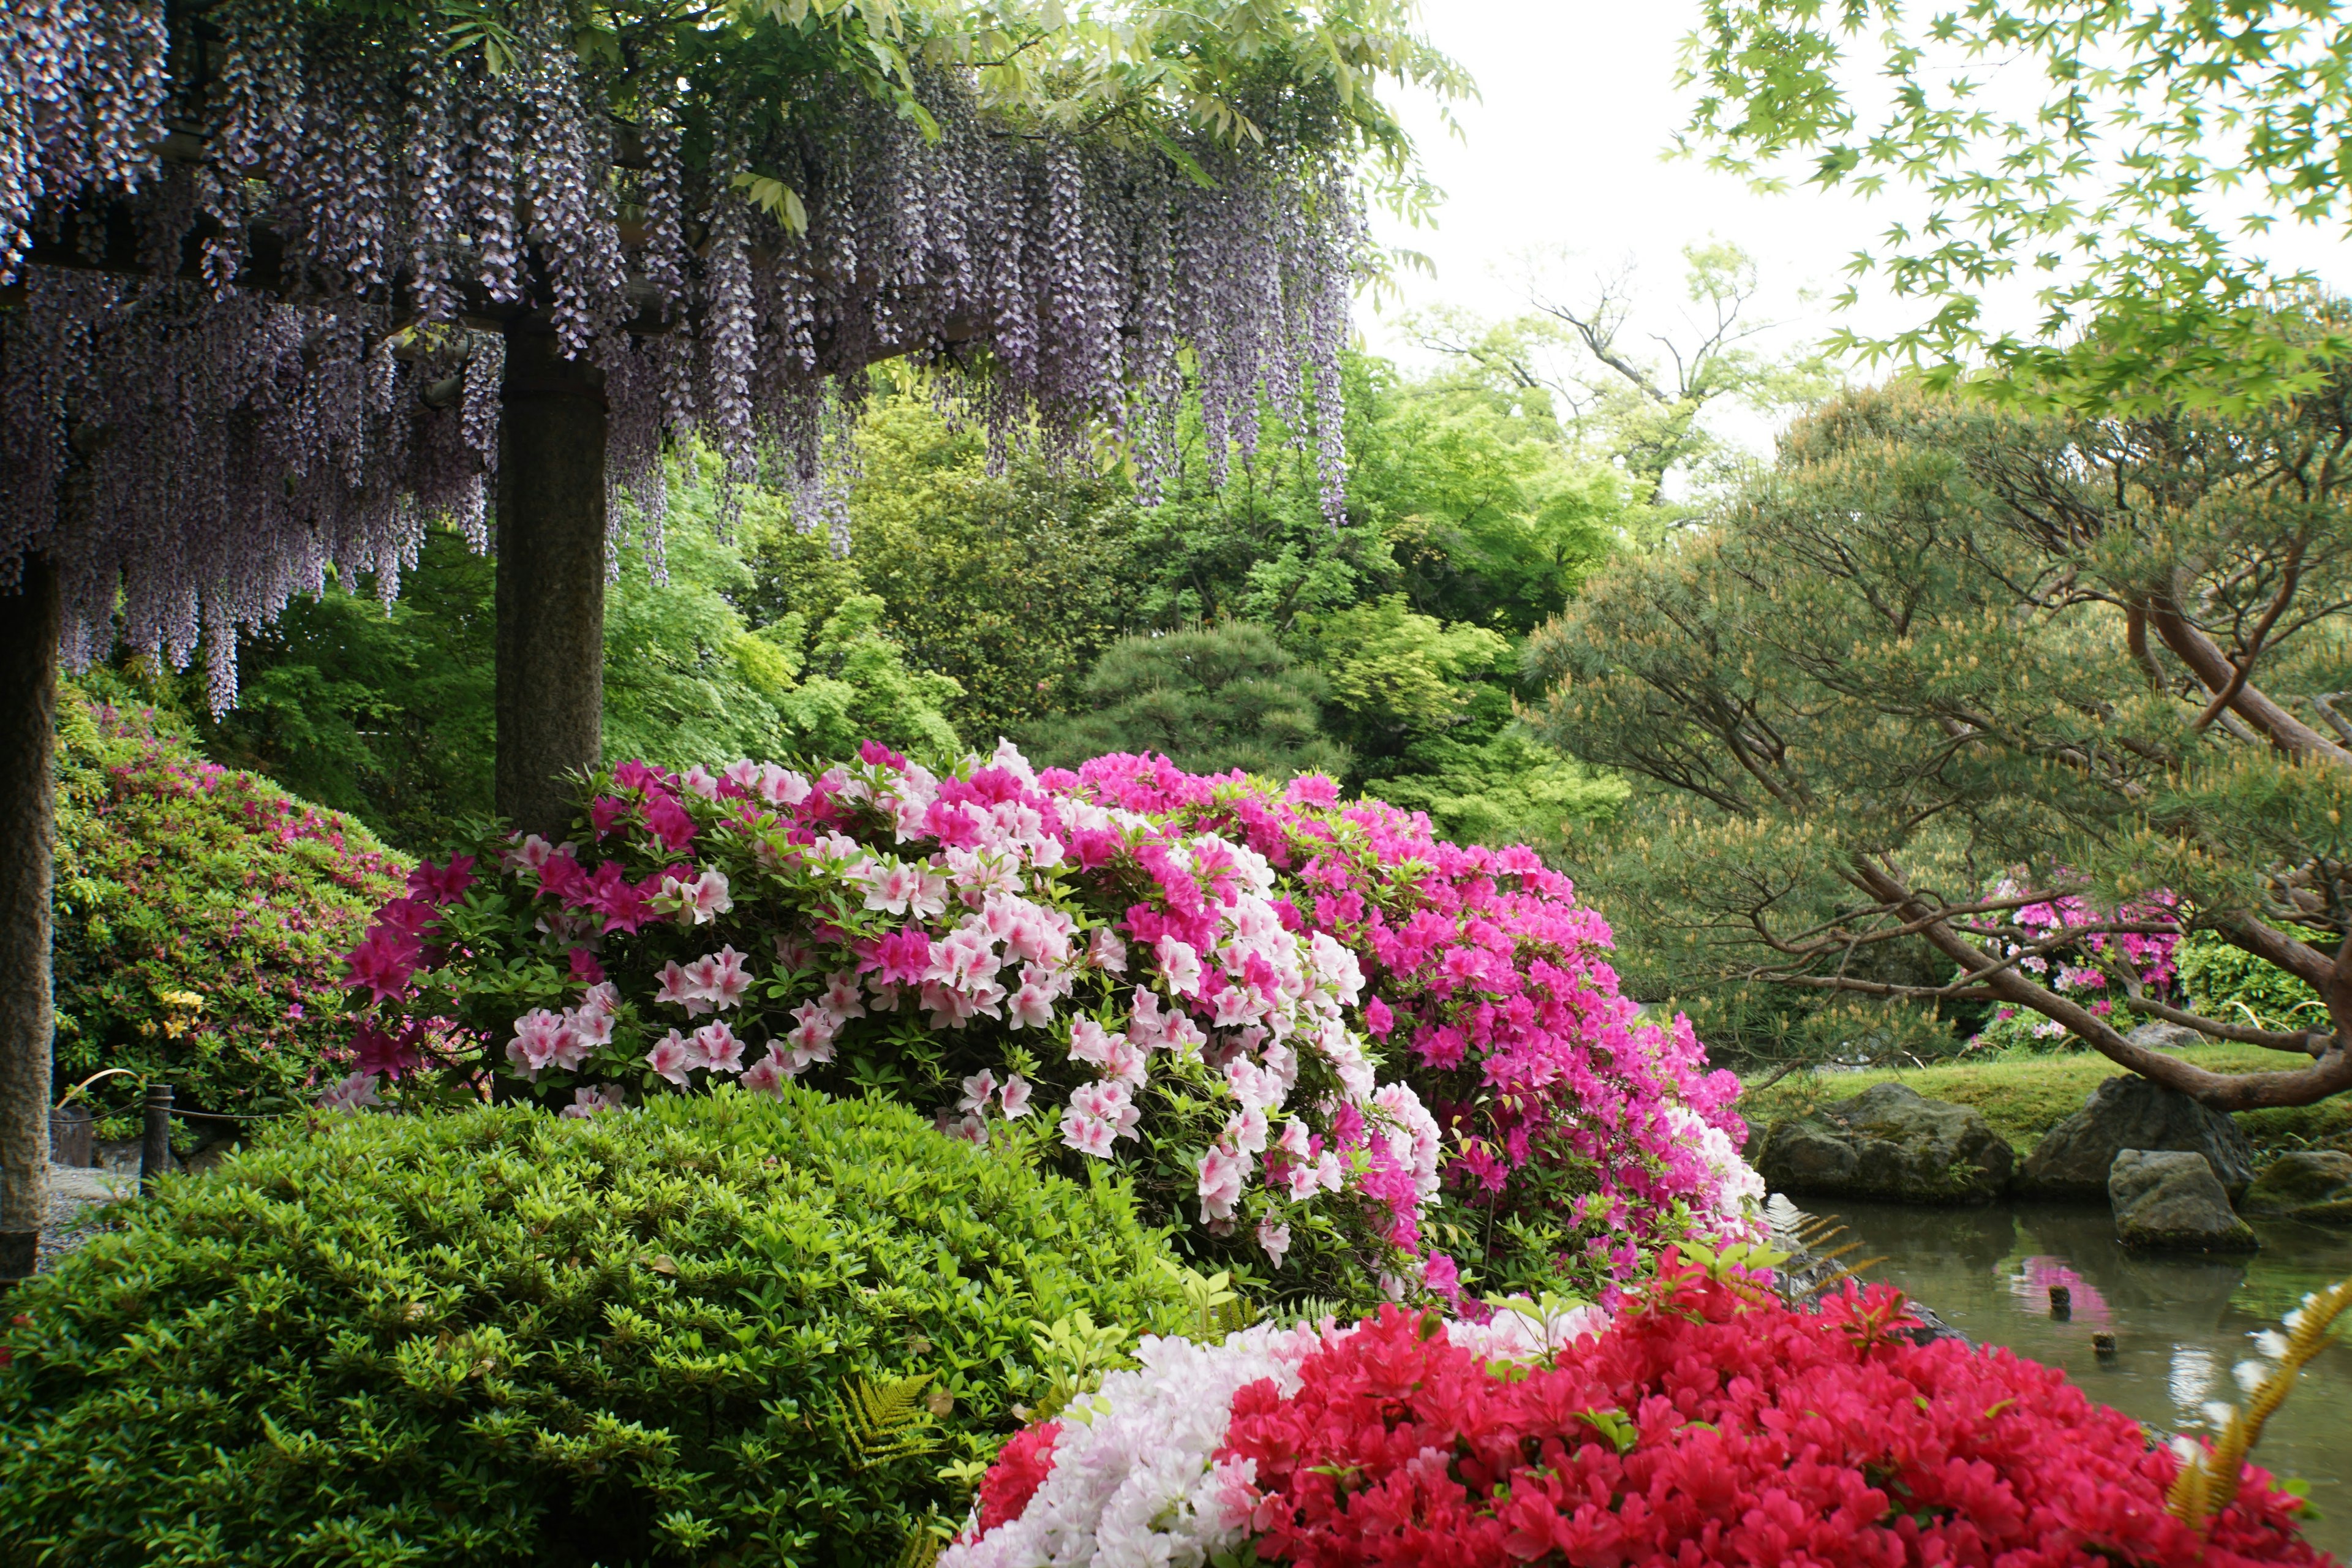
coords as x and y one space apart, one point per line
2181 1325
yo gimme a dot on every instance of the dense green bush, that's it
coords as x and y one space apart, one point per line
200 916
1211 699
500 1337
2233 985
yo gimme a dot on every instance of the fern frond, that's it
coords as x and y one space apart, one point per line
2208 1481
1831 1281
922 1551
885 1423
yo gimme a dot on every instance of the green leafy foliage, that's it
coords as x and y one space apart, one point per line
2126 142
1645 415
201 913
1945 656
381 711
2225 982
1211 699
721 1329
1010 583
979 600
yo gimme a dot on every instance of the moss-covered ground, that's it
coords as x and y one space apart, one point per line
2023 1096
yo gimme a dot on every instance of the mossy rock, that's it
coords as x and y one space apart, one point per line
2310 1184
2169 1200
1888 1142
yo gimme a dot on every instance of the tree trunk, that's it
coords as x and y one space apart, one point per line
550 580
29 620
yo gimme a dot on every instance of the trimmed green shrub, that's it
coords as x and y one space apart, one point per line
2230 984
201 917
721 1329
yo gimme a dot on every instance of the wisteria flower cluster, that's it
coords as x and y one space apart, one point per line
1706 1423
1086 968
246 427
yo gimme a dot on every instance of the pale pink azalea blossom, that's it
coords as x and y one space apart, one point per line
1090 1042
587 1101
1183 1036
1246 1131
813 1023
729 980
698 780
677 989
803 1057
349 1093
1031 1007
1146 1025
721 1051
1110 1103
1087 1134
1222 1173
708 897
781 787
1274 1238
539 1036
1303 1180
977 1090
972 1128
842 997
1125 1062
672 1058
1014 1098
1107 951
589 1026
766 1076
530 852
1296 1142
702 977
890 890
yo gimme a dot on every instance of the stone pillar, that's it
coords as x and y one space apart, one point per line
30 621
550 579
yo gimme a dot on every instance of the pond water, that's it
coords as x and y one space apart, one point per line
2180 1323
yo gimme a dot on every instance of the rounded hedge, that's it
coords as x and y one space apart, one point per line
201 914
712 1330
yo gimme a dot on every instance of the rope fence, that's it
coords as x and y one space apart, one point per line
155 1130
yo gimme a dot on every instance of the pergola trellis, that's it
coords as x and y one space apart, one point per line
286 282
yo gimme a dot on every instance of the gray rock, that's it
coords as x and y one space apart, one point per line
2313 1184
2171 1200
2132 1112
2163 1037
1888 1142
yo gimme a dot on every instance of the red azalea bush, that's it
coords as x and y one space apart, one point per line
1243 994
1709 1428
1706 1423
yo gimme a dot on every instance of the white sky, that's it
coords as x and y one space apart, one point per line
1563 149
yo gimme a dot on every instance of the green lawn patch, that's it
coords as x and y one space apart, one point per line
2024 1096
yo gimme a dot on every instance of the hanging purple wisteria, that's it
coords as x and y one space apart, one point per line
297 369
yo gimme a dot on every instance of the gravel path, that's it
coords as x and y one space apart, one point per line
77 1200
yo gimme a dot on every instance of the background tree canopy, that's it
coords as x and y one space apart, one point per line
981 597
1945 666
2099 154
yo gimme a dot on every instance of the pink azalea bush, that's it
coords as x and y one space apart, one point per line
1705 1423
2070 946
1344 1049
